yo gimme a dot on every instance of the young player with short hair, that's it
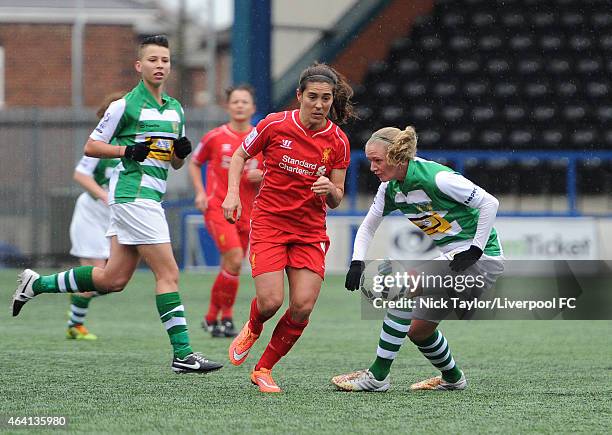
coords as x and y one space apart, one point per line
305 158
458 216
149 128
216 147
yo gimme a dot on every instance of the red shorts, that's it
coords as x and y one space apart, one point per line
227 236
273 249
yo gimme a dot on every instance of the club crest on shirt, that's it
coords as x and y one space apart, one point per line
175 127
325 157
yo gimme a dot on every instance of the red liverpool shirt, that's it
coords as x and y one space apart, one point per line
217 147
294 158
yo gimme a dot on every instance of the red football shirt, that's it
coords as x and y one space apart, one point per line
216 147
294 158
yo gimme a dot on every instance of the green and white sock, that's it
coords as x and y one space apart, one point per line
78 309
392 336
435 348
75 280
172 315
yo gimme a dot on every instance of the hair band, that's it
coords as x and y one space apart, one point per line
384 139
319 76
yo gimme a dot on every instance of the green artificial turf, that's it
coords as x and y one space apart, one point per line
524 376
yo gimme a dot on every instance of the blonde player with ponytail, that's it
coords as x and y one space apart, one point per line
458 216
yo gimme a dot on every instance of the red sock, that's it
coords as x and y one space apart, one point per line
285 335
256 319
213 311
228 293
216 297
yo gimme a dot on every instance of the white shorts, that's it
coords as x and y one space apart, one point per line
88 228
138 223
487 268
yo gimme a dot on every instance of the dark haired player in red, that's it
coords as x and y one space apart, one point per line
305 159
216 147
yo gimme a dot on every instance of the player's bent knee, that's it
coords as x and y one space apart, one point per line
116 286
233 262
172 278
233 265
110 282
419 334
169 277
270 305
300 313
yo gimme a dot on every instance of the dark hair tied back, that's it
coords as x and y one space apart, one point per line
342 106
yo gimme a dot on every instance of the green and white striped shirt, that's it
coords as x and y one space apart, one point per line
441 202
100 170
135 118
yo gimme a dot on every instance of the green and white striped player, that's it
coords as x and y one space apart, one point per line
148 127
458 216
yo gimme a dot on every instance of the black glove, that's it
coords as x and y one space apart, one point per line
139 151
182 147
353 276
465 259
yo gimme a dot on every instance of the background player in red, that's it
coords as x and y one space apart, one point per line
216 148
305 159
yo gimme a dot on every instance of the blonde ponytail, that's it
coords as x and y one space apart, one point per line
404 146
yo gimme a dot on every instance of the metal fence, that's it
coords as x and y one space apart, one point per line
38 193
40 149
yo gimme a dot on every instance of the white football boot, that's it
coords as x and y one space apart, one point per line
437 383
24 290
361 380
